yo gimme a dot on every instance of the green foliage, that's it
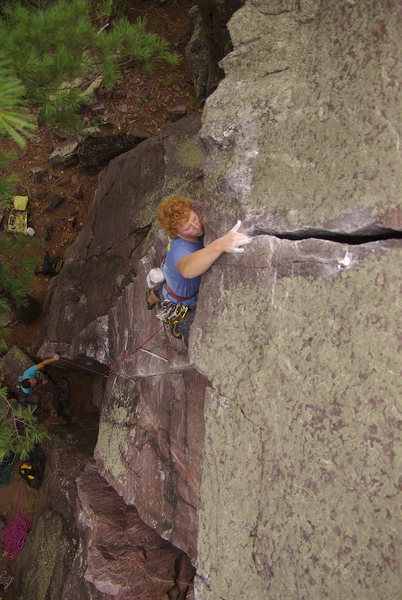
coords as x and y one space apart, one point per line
14 118
111 8
18 261
7 5
7 182
96 121
50 48
4 308
228 47
17 268
132 42
19 429
14 121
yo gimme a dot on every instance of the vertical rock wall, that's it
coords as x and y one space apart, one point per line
300 335
151 428
150 446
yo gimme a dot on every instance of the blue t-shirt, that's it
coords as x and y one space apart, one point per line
177 248
31 373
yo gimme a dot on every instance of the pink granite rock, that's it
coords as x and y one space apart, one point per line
126 558
149 449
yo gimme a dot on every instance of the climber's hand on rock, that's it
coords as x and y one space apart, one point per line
233 239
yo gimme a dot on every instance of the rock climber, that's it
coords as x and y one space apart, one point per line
31 381
34 388
186 260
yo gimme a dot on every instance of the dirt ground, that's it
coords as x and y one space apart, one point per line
139 106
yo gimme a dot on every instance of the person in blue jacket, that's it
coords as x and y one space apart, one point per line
187 259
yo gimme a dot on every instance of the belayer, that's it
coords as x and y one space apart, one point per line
34 386
176 287
33 383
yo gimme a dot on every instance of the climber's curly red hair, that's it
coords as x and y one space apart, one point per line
172 212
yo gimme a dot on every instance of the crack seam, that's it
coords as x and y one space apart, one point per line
353 239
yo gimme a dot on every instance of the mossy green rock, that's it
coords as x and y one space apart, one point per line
302 455
301 339
304 131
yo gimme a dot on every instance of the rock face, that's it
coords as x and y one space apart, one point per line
152 409
301 440
86 542
302 139
197 55
14 363
93 149
209 42
281 426
105 267
304 129
156 463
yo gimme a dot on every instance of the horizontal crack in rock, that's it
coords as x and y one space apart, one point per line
362 236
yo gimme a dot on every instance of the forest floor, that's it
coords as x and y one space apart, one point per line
139 105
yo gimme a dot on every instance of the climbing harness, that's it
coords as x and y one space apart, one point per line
180 297
16 528
171 314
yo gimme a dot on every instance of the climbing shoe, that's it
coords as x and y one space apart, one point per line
149 306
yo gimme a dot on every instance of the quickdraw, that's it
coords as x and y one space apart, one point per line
171 314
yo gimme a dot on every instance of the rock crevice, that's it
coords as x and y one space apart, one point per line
375 234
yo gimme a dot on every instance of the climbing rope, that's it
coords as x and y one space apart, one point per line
109 369
16 528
